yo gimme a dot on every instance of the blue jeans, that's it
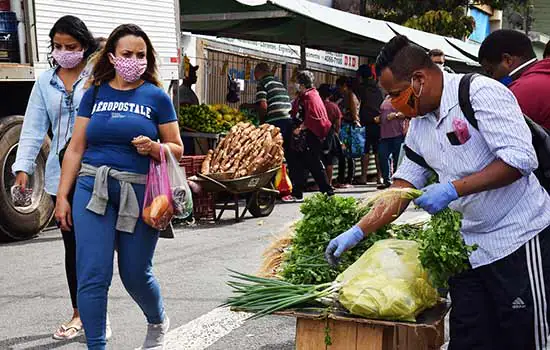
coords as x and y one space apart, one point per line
96 240
389 147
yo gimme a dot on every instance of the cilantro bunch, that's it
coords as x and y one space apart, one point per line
442 250
324 219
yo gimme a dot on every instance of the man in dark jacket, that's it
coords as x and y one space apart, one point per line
508 56
371 98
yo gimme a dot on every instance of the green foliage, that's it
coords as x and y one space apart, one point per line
442 250
324 219
443 17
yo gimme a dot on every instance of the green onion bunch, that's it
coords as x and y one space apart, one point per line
264 296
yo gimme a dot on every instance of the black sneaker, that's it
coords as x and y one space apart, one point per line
383 186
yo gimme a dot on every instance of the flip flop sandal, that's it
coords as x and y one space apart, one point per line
74 331
58 335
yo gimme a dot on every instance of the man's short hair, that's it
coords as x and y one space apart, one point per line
365 71
504 41
403 58
262 67
305 78
344 81
324 91
546 53
436 53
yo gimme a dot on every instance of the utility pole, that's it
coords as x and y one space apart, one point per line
528 18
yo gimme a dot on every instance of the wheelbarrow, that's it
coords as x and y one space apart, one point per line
257 189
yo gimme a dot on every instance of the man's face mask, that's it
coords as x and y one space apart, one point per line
407 101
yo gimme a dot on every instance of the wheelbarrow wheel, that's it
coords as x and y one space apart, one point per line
261 203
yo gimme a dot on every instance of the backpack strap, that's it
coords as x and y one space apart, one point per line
415 157
467 109
464 99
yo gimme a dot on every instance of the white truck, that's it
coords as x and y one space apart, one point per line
24 52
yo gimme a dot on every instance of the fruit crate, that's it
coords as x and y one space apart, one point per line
203 203
192 164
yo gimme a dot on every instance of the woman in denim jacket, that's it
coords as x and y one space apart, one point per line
53 104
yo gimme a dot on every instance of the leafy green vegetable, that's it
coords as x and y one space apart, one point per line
406 231
442 250
324 219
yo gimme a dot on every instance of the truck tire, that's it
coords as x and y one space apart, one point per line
21 223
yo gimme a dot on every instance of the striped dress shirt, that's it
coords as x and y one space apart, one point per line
499 221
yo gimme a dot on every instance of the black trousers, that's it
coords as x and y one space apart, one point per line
345 165
309 160
503 305
69 242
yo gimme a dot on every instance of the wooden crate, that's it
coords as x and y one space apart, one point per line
353 333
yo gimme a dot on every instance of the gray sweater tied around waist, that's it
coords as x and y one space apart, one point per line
128 212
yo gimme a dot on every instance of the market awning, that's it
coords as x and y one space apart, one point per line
300 22
431 41
293 22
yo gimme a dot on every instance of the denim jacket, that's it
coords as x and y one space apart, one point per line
50 105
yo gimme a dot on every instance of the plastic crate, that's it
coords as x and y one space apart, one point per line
203 206
192 164
203 203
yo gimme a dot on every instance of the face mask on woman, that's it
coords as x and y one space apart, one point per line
130 69
68 59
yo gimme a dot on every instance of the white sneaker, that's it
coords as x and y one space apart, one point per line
154 340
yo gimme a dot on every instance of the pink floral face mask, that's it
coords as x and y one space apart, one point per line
130 69
67 59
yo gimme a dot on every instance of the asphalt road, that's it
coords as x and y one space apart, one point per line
192 272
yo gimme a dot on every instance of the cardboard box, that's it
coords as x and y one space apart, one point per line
348 332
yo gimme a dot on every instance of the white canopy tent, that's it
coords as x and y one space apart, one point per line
300 22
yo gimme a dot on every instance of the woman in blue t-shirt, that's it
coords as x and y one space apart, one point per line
120 118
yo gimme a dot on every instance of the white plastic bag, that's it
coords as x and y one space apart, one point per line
181 193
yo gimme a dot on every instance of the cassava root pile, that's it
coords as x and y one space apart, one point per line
246 150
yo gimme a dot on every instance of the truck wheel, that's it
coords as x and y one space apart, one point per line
21 223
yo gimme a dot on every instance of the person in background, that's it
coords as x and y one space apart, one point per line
188 97
508 56
53 104
272 100
120 119
501 302
333 148
308 137
438 57
371 98
350 115
546 53
391 139
100 42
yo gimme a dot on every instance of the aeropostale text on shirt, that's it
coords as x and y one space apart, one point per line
122 107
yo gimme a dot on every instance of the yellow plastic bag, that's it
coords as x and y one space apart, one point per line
387 282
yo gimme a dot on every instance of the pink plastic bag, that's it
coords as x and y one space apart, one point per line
158 208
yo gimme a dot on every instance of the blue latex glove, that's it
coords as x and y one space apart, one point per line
437 197
342 243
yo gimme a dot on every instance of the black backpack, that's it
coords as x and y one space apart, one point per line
541 136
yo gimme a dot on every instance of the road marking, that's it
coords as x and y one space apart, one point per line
205 330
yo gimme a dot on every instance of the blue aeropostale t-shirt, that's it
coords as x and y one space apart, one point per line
116 118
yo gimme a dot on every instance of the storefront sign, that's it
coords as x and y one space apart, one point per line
317 56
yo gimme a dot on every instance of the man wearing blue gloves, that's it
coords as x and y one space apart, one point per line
486 173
